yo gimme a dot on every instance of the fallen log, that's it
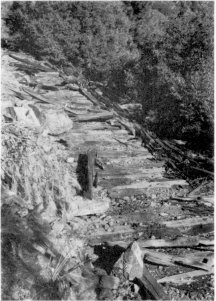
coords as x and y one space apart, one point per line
184 278
95 117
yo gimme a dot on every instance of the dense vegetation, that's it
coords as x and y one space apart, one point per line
159 54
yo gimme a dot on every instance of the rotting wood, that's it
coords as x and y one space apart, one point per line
189 222
89 96
95 117
129 127
147 185
38 97
184 278
190 241
32 64
22 96
180 242
210 173
70 111
201 260
91 163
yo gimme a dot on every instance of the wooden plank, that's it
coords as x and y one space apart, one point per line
95 117
190 241
37 96
144 186
91 132
122 154
31 63
134 176
149 283
185 278
189 222
119 233
91 163
201 260
92 98
181 242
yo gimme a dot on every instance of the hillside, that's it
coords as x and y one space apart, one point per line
87 211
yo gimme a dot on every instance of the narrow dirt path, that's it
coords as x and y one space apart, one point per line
145 205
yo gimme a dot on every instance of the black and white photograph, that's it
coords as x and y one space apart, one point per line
107 150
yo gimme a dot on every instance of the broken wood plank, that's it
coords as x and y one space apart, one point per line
189 222
181 242
185 278
22 95
38 97
129 127
119 233
35 65
201 260
91 163
95 117
210 173
190 241
89 96
145 187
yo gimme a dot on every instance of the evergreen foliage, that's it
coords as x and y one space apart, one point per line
159 54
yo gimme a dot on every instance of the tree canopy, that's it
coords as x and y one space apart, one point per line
159 54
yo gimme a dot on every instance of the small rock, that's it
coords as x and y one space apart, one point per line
106 227
193 295
135 288
47 148
111 223
70 160
164 214
160 268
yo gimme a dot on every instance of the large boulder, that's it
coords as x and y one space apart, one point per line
57 122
